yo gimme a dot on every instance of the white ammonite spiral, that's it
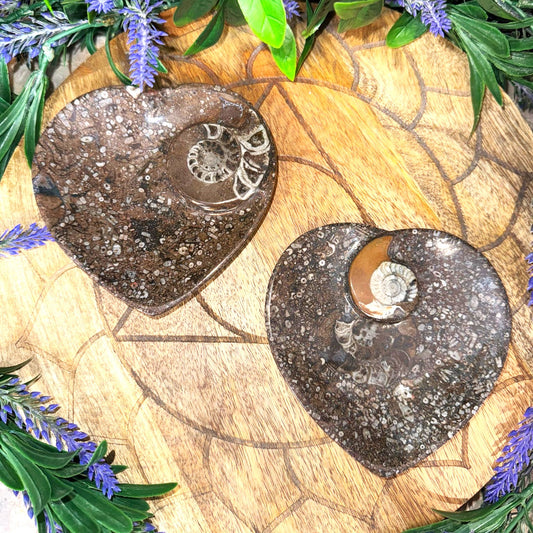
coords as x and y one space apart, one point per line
393 284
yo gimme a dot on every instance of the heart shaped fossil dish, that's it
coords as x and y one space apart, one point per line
153 196
391 340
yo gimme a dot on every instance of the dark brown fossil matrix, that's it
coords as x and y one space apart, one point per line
391 340
154 195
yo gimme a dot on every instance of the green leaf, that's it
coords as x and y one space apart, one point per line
118 73
482 34
93 503
476 514
499 8
309 42
482 66
75 10
286 55
41 524
129 490
324 8
10 139
60 489
160 67
72 518
233 14
190 10
5 88
14 368
8 475
117 469
49 6
210 36
472 10
519 65
70 471
39 452
35 482
520 45
89 42
132 503
405 30
32 129
266 19
98 454
524 23
368 11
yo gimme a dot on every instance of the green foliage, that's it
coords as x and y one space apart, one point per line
57 484
505 516
266 19
405 30
286 56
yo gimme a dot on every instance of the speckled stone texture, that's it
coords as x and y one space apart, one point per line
153 195
390 393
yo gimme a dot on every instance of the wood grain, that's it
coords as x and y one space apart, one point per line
365 134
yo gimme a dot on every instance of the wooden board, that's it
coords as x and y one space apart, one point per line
366 134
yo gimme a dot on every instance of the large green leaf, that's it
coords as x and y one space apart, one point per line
129 490
266 19
32 128
482 34
524 23
472 10
60 489
233 14
93 503
72 518
519 65
286 55
405 30
9 476
5 90
210 36
35 482
70 471
500 8
481 64
190 10
367 11
520 45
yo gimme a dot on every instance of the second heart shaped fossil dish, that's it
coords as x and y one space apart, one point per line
153 196
391 340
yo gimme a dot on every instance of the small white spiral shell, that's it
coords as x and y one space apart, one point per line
393 284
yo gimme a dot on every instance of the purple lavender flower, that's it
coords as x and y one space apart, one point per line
17 239
140 18
100 6
28 413
28 35
432 14
292 9
516 457
9 6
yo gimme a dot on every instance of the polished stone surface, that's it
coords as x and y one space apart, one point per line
154 194
388 391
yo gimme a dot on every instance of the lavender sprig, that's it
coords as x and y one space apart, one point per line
18 239
432 14
516 457
30 412
30 34
100 6
140 18
292 9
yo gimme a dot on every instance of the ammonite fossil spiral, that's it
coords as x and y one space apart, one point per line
154 195
391 340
